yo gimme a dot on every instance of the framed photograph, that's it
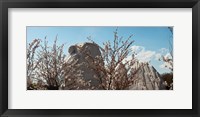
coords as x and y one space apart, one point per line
99 58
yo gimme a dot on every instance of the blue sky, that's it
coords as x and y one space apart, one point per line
150 42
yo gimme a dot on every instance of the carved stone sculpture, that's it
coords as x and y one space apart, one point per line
79 52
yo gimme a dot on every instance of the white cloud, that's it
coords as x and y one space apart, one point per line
158 56
137 49
142 54
168 55
163 50
145 56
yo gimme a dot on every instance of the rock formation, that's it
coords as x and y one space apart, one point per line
79 52
146 78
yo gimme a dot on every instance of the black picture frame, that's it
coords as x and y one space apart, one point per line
6 4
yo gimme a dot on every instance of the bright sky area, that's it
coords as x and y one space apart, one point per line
150 42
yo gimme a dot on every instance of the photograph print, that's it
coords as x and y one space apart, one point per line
99 58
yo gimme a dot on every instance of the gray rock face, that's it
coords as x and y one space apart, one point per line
146 78
78 52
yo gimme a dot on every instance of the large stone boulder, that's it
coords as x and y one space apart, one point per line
146 78
80 52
